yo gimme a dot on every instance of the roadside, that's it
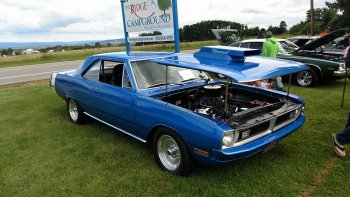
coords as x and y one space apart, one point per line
73 55
22 74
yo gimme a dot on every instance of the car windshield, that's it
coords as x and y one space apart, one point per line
150 74
287 46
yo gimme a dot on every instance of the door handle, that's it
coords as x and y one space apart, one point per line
93 89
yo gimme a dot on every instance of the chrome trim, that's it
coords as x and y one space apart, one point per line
271 129
247 127
283 124
114 127
342 73
255 137
53 81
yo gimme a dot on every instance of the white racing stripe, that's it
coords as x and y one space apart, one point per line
33 74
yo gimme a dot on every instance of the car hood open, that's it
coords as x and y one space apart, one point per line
323 40
239 64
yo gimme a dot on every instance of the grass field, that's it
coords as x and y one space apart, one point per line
21 60
44 154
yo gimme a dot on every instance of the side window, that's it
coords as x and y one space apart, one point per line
245 45
110 72
94 72
126 80
256 45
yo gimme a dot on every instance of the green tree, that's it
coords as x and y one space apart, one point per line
345 6
97 45
154 33
164 5
283 27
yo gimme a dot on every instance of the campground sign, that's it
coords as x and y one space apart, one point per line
148 15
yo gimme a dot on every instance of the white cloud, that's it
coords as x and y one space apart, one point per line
66 20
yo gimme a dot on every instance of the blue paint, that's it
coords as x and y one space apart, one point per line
138 112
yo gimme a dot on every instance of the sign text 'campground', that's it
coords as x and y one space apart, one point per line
148 15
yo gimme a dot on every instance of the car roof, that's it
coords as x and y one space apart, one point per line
239 64
304 37
261 40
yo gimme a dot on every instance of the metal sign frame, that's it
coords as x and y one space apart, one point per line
175 26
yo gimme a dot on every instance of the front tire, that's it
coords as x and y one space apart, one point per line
306 78
171 153
75 112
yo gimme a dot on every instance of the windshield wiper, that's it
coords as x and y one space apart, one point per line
191 79
163 84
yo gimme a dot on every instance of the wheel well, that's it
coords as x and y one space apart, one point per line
317 70
153 131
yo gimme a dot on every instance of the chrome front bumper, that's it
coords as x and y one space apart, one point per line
342 73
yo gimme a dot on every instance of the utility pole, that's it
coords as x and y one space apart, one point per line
312 17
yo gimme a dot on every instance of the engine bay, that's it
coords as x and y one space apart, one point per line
321 55
242 105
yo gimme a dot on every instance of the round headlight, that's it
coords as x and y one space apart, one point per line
228 139
342 66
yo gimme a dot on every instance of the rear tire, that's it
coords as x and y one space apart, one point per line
75 112
171 153
306 78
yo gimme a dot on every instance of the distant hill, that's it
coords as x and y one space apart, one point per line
15 45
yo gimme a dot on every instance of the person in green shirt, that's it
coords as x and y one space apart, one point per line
270 49
270 46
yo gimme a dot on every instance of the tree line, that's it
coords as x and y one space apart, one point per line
202 30
335 15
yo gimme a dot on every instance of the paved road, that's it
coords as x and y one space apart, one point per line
20 74
13 75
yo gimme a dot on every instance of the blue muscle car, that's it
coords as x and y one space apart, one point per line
170 102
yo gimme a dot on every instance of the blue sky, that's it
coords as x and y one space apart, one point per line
73 20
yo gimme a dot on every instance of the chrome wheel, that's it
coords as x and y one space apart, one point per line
169 152
304 78
73 110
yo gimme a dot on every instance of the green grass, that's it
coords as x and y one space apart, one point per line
21 60
43 154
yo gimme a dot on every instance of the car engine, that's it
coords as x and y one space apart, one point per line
209 101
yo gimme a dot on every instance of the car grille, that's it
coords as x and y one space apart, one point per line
283 118
266 127
255 130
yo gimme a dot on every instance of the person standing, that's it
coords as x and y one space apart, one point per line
342 138
270 49
262 34
326 31
270 46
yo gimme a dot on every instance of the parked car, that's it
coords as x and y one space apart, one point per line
302 40
334 47
169 102
322 66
